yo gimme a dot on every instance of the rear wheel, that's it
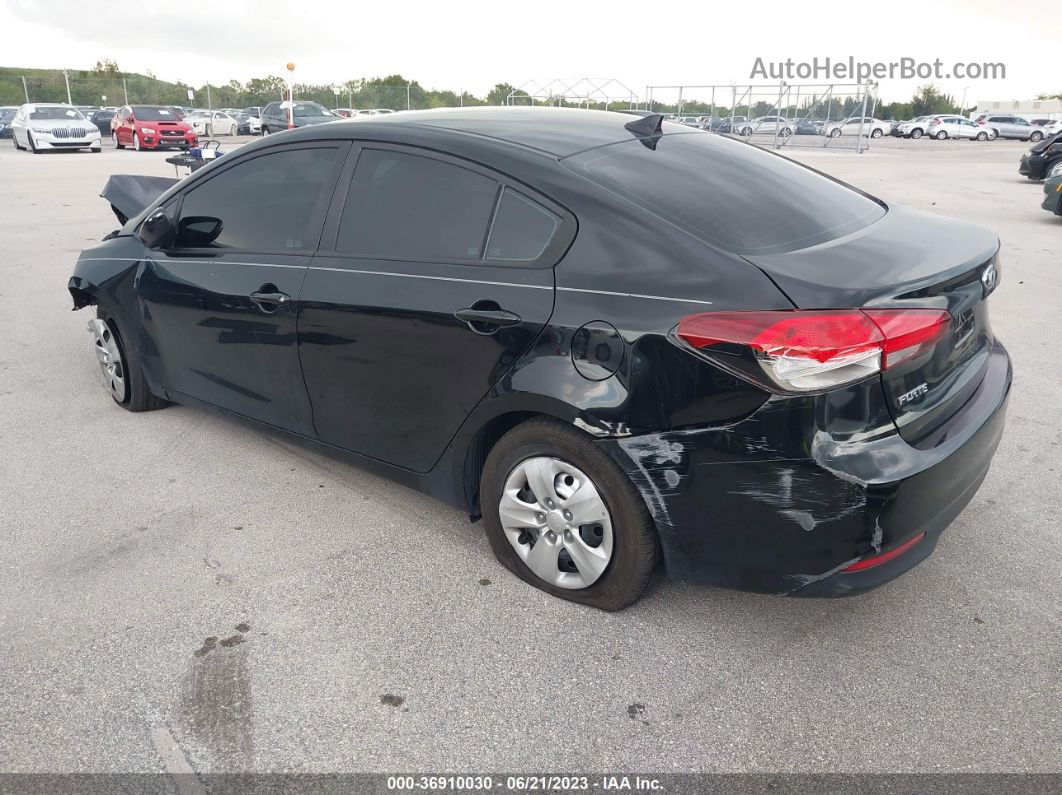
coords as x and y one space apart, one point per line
875 133
122 375
562 516
940 136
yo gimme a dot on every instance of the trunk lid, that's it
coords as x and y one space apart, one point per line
907 259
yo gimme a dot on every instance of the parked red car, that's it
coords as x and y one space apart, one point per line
151 127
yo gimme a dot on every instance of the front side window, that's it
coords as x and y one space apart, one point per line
268 203
406 206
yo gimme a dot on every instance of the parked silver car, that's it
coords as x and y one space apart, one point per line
1008 126
770 125
45 125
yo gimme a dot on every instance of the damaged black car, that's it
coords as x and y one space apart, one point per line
622 343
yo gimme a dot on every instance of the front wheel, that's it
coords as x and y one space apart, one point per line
121 373
117 144
562 516
14 140
32 146
136 142
982 136
1036 137
835 133
916 134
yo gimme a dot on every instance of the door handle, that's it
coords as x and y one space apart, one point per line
269 301
486 321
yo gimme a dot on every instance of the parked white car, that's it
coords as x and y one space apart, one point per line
942 127
769 125
1049 126
859 125
45 125
212 122
915 128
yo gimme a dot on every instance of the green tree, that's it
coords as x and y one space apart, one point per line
500 93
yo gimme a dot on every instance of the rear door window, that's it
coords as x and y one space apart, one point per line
731 194
522 229
405 206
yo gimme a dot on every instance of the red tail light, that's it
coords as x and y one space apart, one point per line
813 350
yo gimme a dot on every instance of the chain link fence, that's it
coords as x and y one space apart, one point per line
117 90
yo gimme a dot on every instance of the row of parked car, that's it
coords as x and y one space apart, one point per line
42 126
986 127
784 127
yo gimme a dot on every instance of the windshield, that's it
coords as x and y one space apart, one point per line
142 113
54 113
7 115
728 193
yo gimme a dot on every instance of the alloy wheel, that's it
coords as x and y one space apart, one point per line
558 523
112 366
136 141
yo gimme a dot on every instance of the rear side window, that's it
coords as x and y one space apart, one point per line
269 202
522 229
728 193
405 206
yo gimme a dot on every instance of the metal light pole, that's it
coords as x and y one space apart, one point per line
66 77
291 95
962 107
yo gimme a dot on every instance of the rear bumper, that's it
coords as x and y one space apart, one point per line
775 504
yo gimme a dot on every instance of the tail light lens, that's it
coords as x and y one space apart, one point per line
812 351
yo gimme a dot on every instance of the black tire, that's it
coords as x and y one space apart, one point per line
138 396
835 133
875 133
32 146
982 136
940 136
635 549
916 133
1036 137
14 140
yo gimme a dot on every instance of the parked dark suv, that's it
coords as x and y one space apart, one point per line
275 115
614 339
1041 158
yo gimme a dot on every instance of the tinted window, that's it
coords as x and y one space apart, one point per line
522 229
729 193
267 202
404 206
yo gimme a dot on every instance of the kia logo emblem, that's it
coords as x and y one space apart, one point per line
989 278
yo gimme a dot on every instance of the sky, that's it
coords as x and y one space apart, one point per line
471 45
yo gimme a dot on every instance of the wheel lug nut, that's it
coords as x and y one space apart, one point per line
549 503
568 515
540 516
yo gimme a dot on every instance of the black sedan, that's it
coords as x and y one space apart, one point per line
522 312
1041 158
102 120
7 114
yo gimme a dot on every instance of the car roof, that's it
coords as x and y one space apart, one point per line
556 131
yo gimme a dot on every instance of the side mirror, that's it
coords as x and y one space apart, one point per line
198 231
157 231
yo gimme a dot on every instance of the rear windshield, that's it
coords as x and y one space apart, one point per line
731 194
142 113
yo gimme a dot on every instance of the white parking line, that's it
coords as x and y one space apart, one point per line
175 762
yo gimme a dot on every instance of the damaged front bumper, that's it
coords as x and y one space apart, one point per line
777 503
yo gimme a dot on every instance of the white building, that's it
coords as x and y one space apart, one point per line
1028 109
